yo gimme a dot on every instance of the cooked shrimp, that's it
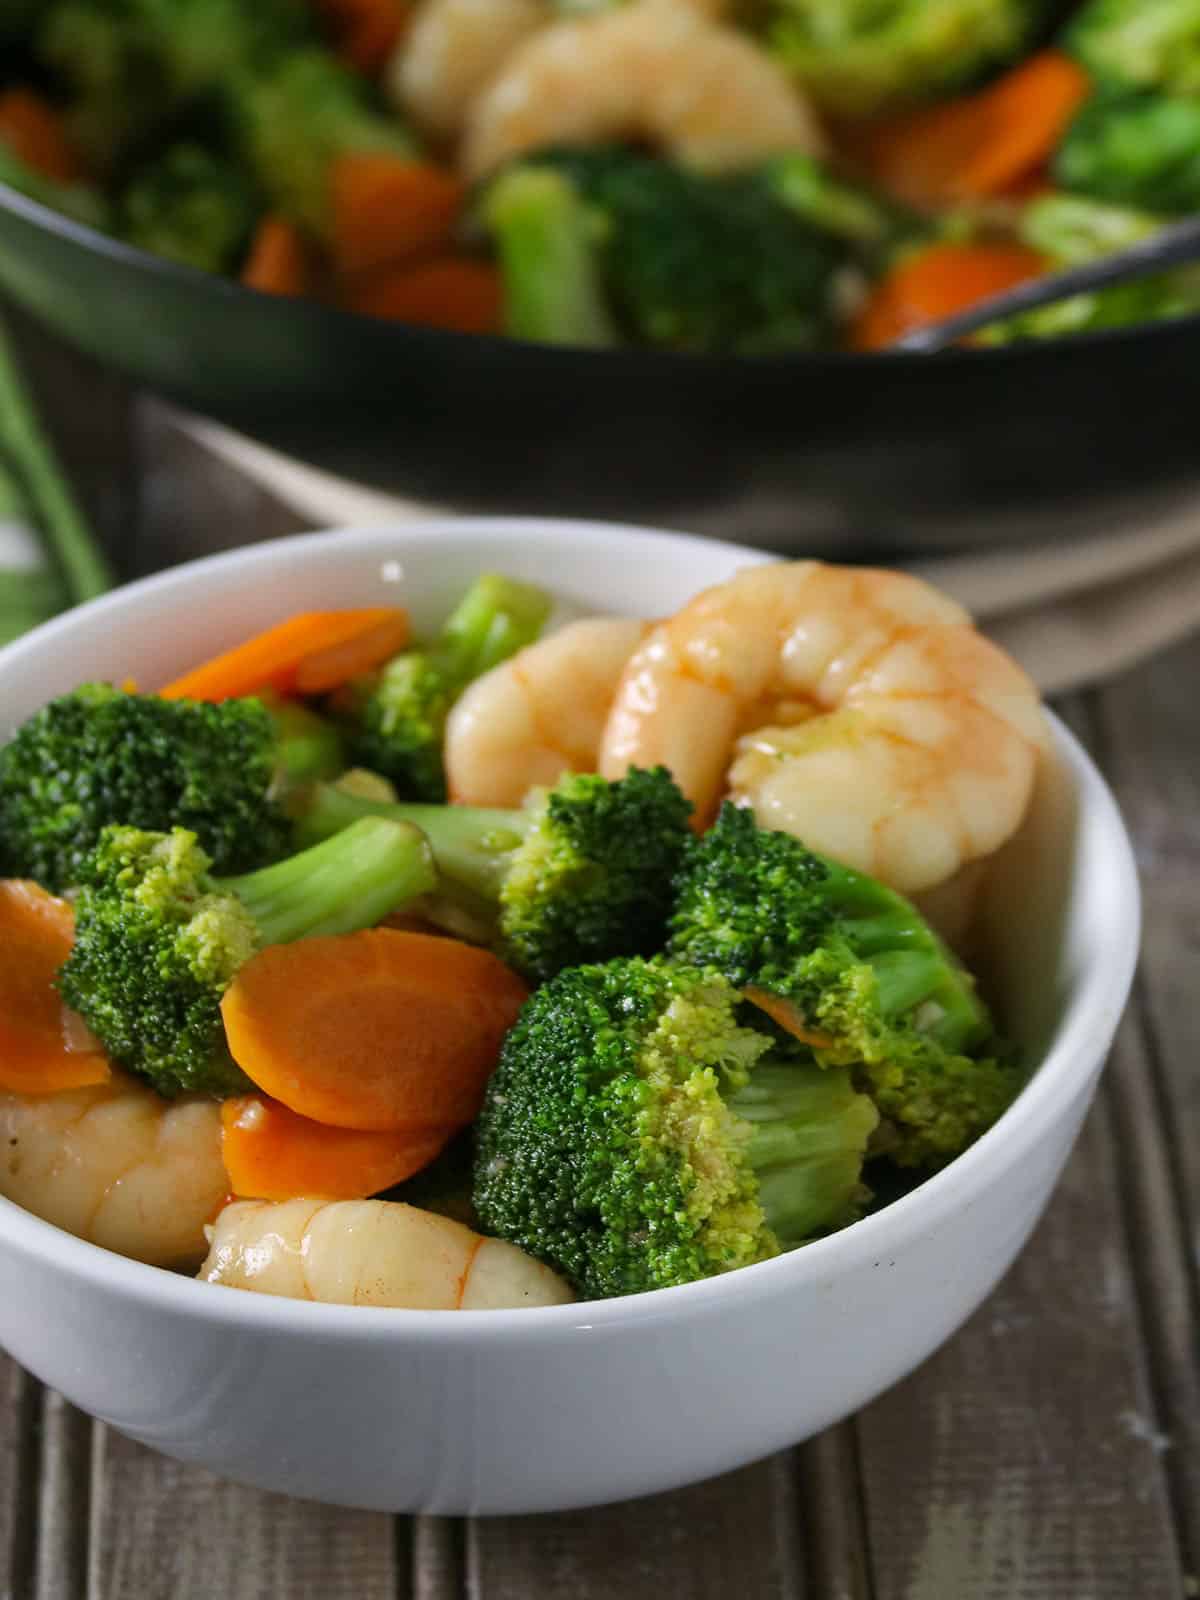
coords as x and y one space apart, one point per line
650 71
452 52
539 715
117 1165
860 710
373 1253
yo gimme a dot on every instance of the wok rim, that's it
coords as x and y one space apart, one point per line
94 242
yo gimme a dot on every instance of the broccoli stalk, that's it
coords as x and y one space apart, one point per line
158 940
308 747
635 1135
1153 44
583 874
547 238
857 58
100 755
862 977
399 716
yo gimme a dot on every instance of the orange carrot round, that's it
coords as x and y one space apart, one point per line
383 1030
44 1046
936 283
278 261
310 653
458 293
388 210
33 130
980 144
270 1153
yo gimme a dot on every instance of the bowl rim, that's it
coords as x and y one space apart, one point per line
1075 1054
96 242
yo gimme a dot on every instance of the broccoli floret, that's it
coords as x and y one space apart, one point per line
158 940
400 715
76 200
111 66
862 976
636 1136
100 755
1071 230
293 121
583 874
191 206
1138 149
131 66
857 58
665 257
1142 43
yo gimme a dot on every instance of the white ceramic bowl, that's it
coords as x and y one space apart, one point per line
573 1405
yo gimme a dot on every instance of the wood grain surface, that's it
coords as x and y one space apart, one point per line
1050 1451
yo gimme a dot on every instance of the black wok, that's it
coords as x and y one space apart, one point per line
815 453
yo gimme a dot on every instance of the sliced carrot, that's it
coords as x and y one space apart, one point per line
310 653
788 1016
278 261
44 1045
981 144
272 1154
33 130
381 1030
365 31
387 210
936 283
454 292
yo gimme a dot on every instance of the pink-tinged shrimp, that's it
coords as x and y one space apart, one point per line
654 71
858 709
539 715
452 52
373 1253
117 1165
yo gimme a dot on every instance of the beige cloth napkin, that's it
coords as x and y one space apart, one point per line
1072 614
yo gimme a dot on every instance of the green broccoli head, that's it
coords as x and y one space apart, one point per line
1139 149
79 201
107 59
1072 229
132 66
866 979
592 876
582 874
400 717
100 755
192 206
293 120
157 944
158 940
1151 44
858 58
633 1137
605 243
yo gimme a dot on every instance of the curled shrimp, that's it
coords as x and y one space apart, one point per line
452 52
117 1165
539 715
650 71
858 709
373 1253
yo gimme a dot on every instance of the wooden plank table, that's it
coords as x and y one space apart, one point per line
1051 1451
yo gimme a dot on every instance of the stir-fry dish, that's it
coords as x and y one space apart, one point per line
601 977
687 175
